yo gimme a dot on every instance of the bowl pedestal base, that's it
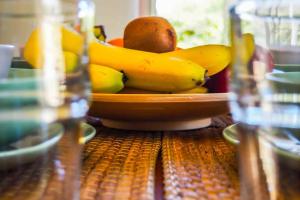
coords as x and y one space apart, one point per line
157 126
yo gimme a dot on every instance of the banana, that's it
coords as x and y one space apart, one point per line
248 47
100 33
71 42
149 71
71 61
32 49
128 90
105 79
196 90
212 57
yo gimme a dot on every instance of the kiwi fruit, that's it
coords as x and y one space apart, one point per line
152 34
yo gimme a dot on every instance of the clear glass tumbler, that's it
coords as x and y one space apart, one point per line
265 96
44 97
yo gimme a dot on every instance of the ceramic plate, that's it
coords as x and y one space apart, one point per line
32 147
88 131
287 67
158 111
231 135
292 156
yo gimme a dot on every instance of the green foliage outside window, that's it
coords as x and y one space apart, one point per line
197 22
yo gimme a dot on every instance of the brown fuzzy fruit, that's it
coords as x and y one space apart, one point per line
152 34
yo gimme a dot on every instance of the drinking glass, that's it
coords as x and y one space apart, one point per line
265 96
44 98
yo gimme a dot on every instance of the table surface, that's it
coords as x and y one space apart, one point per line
197 164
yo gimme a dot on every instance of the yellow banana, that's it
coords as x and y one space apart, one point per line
149 71
105 79
100 33
128 90
32 49
72 42
196 90
212 57
248 47
71 61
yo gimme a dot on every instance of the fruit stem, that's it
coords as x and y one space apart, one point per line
125 78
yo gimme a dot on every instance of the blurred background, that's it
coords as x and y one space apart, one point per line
189 17
197 22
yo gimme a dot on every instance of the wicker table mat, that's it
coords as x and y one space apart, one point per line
119 165
200 164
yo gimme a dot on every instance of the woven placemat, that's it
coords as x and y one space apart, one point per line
120 165
200 164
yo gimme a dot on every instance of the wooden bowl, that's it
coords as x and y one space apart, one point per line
158 111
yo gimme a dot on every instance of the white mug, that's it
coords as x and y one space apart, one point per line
6 56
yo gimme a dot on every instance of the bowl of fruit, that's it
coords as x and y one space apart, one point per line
143 81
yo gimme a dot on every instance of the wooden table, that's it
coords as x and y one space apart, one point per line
116 164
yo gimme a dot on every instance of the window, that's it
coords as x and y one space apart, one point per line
197 22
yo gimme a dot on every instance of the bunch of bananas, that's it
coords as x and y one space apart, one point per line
112 68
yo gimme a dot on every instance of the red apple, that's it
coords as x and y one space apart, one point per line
218 83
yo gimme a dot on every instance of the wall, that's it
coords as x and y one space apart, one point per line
115 14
